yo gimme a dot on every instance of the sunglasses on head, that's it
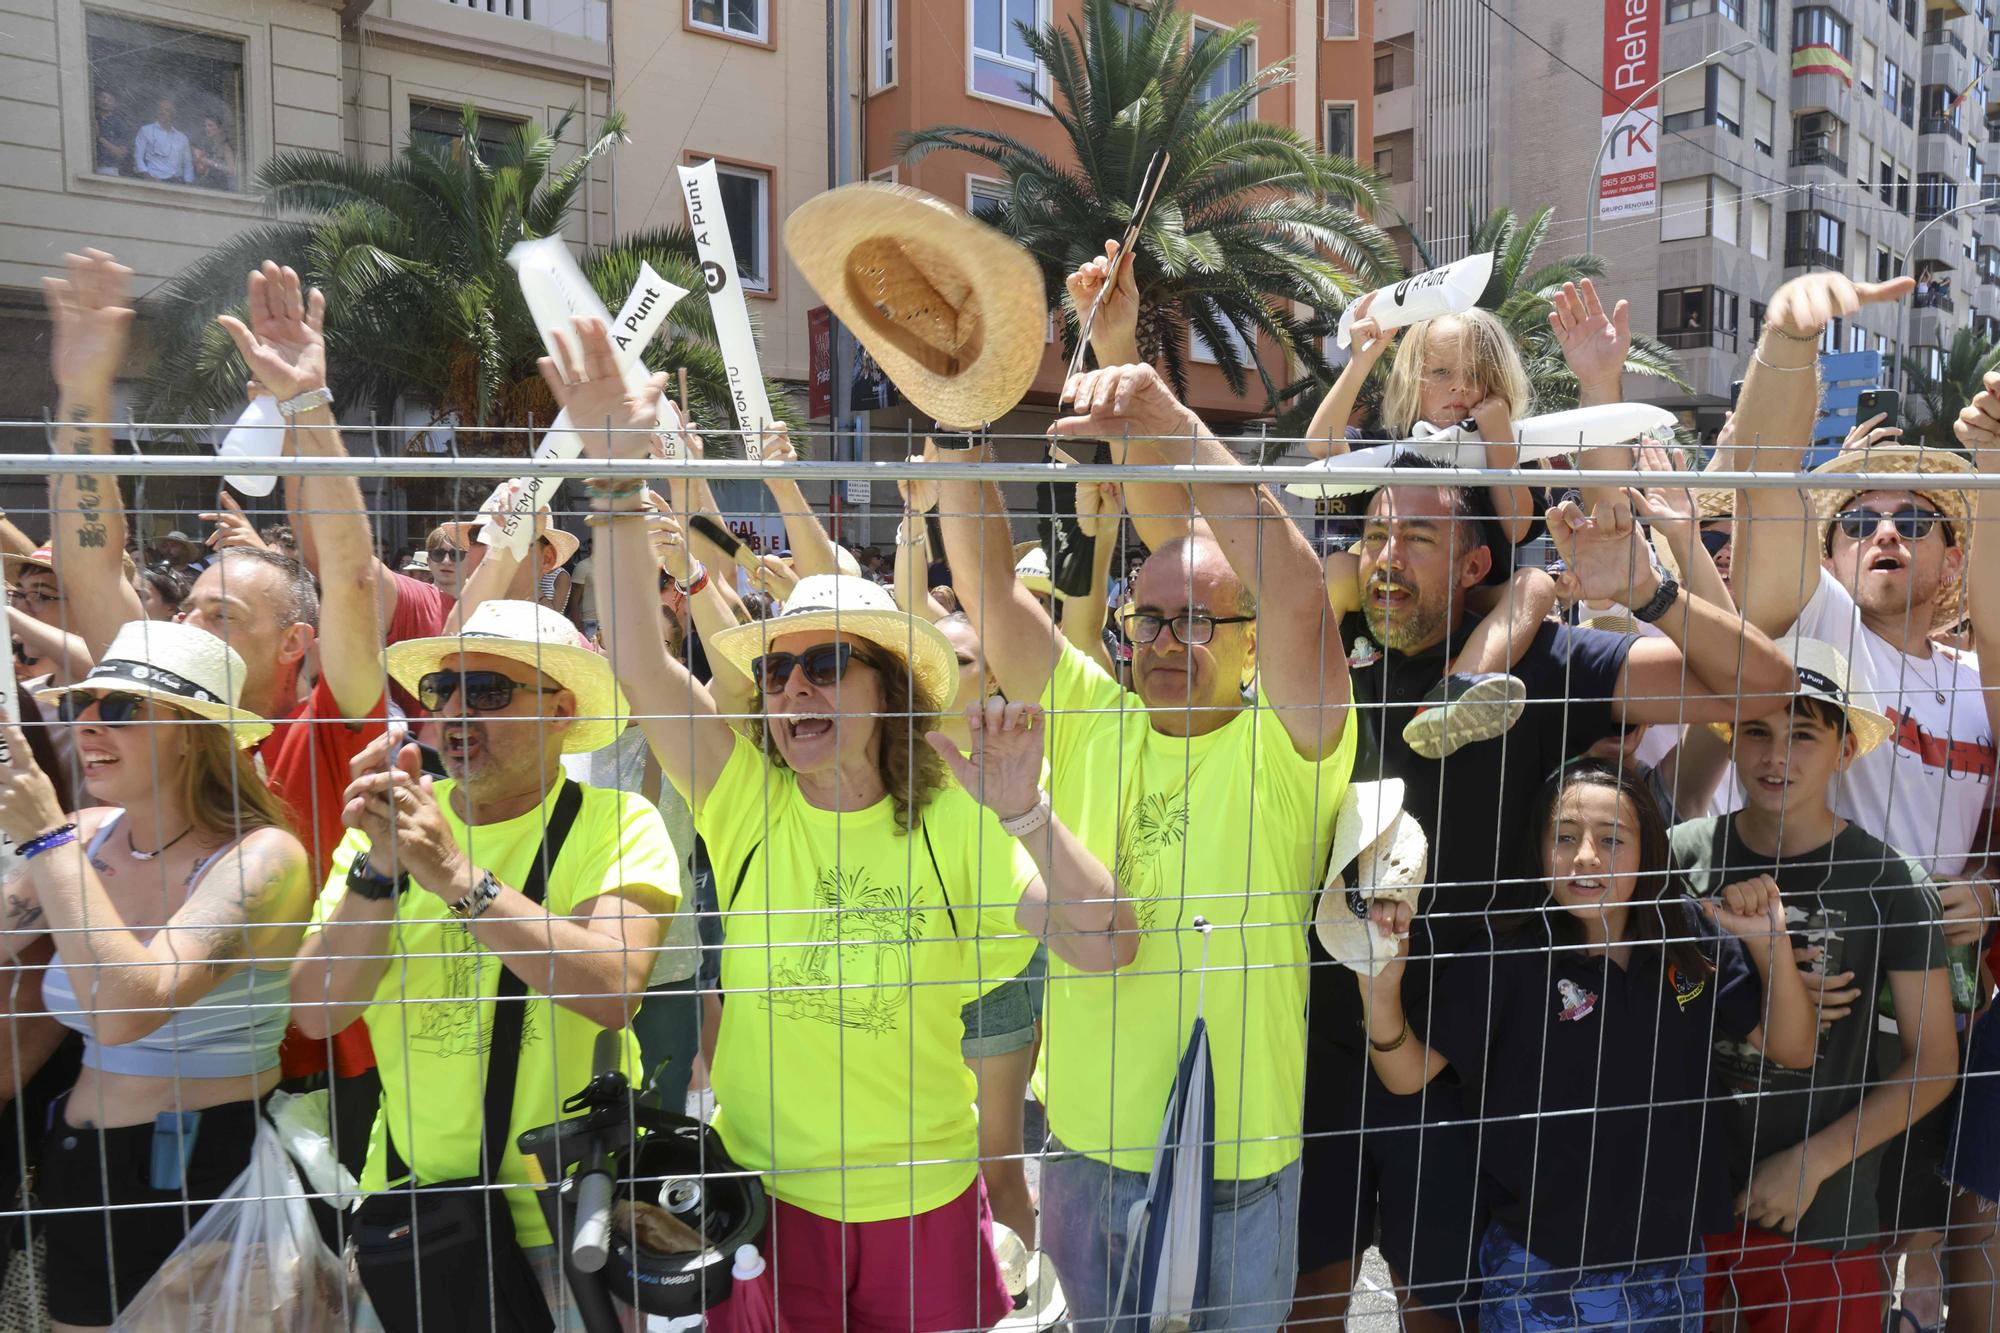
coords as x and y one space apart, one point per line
1913 522
112 709
824 664
485 691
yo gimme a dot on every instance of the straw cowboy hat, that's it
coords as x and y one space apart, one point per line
537 638
862 609
952 310
1823 674
462 535
1390 856
176 664
1953 504
1031 569
43 557
177 545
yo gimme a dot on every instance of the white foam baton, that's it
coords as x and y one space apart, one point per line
557 292
717 253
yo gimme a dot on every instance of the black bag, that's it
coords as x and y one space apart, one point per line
442 1257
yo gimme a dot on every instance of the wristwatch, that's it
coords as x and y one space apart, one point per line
474 904
306 402
371 884
1662 601
1034 818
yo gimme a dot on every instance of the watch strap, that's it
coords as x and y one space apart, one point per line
1662 600
1032 820
363 878
306 402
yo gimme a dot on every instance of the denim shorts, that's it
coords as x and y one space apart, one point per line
999 1022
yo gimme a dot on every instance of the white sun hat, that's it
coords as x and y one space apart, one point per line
177 664
536 637
840 603
1823 674
1390 856
1031 570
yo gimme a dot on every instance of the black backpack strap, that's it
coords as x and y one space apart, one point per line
742 873
510 1007
949 915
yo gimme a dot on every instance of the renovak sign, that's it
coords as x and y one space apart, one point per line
1628 173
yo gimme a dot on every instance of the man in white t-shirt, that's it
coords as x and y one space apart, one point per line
1875 573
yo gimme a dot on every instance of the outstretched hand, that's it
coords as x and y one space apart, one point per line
1808 303
284 343
1003 772
1867 434
232 527
1117 325
1593 342
28 804
89 317
587 382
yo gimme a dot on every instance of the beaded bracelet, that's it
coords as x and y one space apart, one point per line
42 842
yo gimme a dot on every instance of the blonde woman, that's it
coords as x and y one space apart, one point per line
175 900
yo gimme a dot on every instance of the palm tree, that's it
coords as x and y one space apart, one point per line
1944 395
1250 217
422 307
1520 293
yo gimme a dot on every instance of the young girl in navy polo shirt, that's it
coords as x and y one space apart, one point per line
1586 1035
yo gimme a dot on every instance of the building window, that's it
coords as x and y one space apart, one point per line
1885 264
1200 350
1716 100
440 128
1764 126
1700 206
1829 337
1756 320
746 203
1128 19
1816 25
737 18
1767 23
1339 129
1236 71
1692 317
1819 138
1857 338
1904 199
1680 10
1385 162
1892 82
1343 22
986 199
1936 194
1385 71
1002 64
888 175
166 103
882 72
1760 228
1815 240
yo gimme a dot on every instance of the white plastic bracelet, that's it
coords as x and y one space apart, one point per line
1034 818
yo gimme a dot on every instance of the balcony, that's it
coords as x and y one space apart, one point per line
1934 300
1819 155
1927 214
1811 256
579 20
1945 37
1940 125
1689 340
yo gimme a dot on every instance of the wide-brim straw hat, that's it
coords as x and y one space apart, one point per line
952 310
176 664
1391 858
462 535
861 609
1955 505
536 637
43 558
1031 569
1823 674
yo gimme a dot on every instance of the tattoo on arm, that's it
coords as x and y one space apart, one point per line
229 902
21 913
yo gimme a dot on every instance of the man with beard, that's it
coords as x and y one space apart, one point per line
1875 573
1410 1163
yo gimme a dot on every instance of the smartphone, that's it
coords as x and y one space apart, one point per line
1735 393
1885 401
174 1134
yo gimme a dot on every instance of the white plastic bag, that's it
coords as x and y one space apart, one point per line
255 1262
304 1122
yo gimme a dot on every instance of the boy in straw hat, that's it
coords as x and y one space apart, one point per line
1809 1142
429 895
1873 572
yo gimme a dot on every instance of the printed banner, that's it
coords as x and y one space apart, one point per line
1628 173
556 292
725 300
819 381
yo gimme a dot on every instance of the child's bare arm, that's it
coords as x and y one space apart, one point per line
1511 614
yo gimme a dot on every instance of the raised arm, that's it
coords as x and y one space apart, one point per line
285 347
1082 617
88 321
1015 634
1978 430
1300 663
913 550
1327 435
812 548
1777 553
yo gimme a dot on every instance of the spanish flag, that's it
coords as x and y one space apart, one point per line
1822 59
1963 93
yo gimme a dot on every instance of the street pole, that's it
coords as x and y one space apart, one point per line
1604 146
1909 311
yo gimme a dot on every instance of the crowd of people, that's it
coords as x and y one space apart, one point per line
1608 948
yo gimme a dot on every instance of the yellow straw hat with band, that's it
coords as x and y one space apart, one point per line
1823 674
539 639
1954 504
860 609
952 310
565 544
175 664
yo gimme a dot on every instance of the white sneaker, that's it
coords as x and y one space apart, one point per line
1463 710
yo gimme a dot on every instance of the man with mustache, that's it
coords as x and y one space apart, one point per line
1422 547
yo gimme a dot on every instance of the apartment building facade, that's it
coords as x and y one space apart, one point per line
1844 137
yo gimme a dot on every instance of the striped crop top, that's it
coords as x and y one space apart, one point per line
231 1032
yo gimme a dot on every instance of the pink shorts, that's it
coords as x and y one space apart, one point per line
931 1272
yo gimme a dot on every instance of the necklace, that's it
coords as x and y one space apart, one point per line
138 855
1933 680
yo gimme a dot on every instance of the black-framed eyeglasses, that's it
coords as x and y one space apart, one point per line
1913 522
824 664
112 709
40 596
1191 628
485 691
1715 542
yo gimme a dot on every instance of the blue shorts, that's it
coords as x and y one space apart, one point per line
999 1022
1523 1294
1972 1155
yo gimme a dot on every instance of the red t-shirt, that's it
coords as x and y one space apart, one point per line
307 758
420 613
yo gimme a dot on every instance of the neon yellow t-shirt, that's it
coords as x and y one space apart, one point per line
430 1036
847 957
1248 861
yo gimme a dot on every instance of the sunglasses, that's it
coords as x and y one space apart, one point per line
485 691
824 664
112 709
438 553
1716 542
1912 523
